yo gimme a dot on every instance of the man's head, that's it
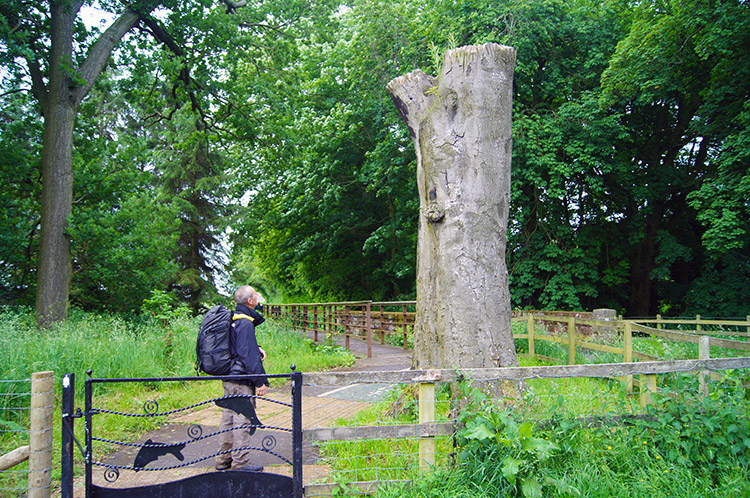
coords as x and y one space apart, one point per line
246 295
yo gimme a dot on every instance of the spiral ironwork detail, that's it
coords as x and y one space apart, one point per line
111 474
151 406
268 443
195 431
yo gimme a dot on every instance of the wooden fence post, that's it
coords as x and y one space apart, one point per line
328 320
627 346
648 387
427 445
698 327
381 321
658 322
406 334
572 340
315 321
704 353
368 324
530 328
40 434
346 326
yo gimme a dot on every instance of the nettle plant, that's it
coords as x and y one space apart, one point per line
710 434
493 438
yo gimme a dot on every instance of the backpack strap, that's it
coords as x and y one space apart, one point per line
238 316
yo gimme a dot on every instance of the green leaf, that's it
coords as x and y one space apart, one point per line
531 487
479 432
510 469
542 447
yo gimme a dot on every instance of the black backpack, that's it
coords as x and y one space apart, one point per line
212 348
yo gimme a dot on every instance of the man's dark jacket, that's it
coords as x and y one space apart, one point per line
244 345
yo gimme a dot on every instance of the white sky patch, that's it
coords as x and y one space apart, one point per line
93 17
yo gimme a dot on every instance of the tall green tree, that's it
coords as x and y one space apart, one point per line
191 176
678 84
333 202
123 237
46 44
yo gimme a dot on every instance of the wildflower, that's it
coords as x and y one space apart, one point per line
658 457
609 447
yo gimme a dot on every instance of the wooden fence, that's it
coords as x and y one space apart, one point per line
356 318
427 430
577 330
600 331
39 450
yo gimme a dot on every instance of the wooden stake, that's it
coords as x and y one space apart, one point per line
427 445
40 434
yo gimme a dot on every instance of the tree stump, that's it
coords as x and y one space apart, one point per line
461 126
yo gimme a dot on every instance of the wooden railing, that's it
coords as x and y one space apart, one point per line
577 330
357 318
427 430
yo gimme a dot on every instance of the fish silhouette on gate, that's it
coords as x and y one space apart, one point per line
148 454
243 406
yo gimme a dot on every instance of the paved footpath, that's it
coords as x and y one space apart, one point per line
321 407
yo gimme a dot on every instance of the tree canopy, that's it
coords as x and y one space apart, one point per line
234 142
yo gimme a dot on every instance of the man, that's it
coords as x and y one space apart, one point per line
248 359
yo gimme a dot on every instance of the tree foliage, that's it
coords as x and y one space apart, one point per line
266 131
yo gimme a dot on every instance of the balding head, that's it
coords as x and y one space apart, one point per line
245 294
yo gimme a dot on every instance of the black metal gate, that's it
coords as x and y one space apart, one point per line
230 483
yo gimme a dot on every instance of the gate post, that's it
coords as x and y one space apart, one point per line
40 434
297 434
66 461
89 390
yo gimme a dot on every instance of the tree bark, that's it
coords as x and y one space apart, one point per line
461 126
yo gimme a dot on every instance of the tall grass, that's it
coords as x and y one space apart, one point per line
118 347
684 445
114 346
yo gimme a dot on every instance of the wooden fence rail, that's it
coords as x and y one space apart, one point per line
575 329
427 430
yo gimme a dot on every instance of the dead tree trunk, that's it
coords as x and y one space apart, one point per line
461 126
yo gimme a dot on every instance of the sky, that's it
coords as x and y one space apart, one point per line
94 17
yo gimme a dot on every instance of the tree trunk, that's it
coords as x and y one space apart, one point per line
461 126
59 106
59 100
53 284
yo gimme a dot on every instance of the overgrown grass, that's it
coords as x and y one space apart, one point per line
686 446
120 347
546 445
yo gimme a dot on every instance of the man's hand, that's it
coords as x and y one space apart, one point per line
261 390
262 354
